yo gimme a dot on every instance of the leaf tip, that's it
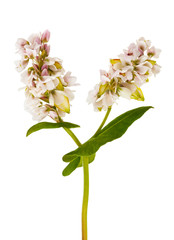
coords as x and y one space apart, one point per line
148 107
63 173
28 133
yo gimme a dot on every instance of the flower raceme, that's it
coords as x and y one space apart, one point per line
48 90
126 75
47 85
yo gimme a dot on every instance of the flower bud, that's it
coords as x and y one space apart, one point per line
45 36
138 95
61 101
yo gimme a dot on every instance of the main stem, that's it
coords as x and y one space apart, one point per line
86 175
85 197
86 185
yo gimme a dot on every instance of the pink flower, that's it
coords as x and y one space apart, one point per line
44 66
47 49
45 36
20 45
35 39
44 72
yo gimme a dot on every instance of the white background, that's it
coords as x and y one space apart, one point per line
132 179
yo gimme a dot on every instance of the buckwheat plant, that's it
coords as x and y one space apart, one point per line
48 94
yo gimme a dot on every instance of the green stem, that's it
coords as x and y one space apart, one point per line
86 186
103 122
85 197
86 175
73 136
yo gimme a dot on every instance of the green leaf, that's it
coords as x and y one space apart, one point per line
115 129
46 125
77 162
71 167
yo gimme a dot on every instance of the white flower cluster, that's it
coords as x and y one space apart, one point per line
47 85
126 75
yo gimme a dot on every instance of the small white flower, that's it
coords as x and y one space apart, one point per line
35 107
139 80
132 53
108 99
69 80
104 77
34 39
125 92
20 44
69 93
116 64
51 61
53 115
31 51
142 45
92 95
50 82
156 69
153 52
141 69
21 65
98 106
129 75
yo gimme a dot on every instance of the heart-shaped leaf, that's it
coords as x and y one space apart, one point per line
46 125
115 129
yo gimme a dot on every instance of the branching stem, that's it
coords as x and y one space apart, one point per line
103 122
